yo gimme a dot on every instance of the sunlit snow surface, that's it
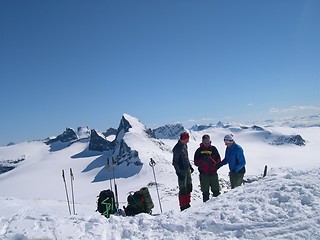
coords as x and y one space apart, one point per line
283 205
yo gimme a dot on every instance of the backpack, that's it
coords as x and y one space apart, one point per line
147 200
106 204
139 202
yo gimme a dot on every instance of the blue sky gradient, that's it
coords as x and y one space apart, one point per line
85 63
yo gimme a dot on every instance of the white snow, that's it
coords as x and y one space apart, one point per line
283 205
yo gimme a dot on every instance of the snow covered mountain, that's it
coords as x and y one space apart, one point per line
31 174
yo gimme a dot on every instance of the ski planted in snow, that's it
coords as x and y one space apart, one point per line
65 187
72 192
72 179
112 177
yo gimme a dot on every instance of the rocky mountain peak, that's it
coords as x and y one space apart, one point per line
124 124
98 142
67 136
169 131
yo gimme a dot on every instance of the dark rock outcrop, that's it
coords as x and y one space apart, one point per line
67 136
257 128
8 165
200 127
110 131
293 139
99 143
220 124
124 125
126 155
169 131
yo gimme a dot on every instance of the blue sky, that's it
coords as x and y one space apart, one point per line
85 63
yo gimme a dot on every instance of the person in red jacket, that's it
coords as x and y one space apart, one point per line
205 158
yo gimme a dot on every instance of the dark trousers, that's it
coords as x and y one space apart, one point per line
209 182
236 179
185 185
185 189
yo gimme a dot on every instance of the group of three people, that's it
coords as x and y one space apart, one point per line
208 161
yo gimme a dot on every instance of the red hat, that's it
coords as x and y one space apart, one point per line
184 136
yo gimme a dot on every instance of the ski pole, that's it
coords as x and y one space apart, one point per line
108 172
116 193
152 164
72 179
115 185
65 186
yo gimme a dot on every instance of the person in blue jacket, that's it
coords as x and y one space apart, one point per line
234 157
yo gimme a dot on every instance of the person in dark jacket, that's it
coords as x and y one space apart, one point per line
205 158
183 170
234 157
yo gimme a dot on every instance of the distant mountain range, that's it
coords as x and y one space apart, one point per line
112 141
124 153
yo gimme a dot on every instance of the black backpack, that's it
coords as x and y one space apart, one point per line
139 202
135 204
106 204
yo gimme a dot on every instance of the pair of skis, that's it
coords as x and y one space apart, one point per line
72 194
108 168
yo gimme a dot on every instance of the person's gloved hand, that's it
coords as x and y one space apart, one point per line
218 165
191 169
181 176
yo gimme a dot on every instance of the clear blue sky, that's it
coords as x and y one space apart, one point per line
85 63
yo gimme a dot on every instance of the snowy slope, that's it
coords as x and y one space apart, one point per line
33 200
285 205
